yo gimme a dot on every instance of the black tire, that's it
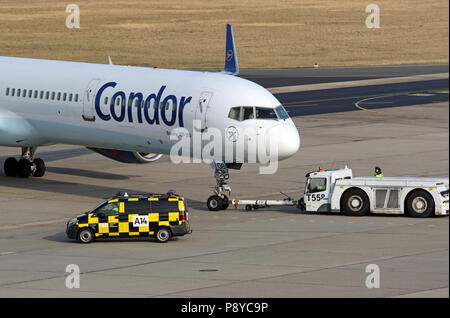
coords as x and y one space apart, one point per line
214 203
225 203
163 235
10 167
355 202
85 236
24 168
40 168
419 204
248 208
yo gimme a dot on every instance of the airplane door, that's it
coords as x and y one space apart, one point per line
200 112
88 100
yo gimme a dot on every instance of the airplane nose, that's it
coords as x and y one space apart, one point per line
287 139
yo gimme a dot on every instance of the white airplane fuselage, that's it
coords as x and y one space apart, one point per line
45 102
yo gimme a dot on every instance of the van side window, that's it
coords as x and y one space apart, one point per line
141 206
164 206
317 185
108 209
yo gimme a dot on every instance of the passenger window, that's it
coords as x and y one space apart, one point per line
13 91
164 206
106 100
7 91
36 94
59 96
235 113
108 209
47 95
76 97
317 185
53 95
248 113
64 96
18 92
24 93
70 97
41 96
30 93
265 113
141 206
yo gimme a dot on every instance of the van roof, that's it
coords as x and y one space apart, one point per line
144 195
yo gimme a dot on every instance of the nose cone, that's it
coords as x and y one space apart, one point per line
287 139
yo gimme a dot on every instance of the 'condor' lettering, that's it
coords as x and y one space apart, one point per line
137 107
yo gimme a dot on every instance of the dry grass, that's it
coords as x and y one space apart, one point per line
191 34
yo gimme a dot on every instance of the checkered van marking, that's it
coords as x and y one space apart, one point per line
122 225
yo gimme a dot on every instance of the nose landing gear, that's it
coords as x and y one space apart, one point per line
26 166
222 191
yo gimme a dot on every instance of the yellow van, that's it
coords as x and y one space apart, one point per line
161 216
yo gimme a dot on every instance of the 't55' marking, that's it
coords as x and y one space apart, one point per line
316 197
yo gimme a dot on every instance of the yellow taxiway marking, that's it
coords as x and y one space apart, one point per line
421 94
413 93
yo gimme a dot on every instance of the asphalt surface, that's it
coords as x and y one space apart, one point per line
368 97
302 76
275 252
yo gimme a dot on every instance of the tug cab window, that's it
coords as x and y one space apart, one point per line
317 185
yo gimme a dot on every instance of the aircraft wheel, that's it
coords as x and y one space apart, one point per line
40 168
10 167
24 168
225 203
214 203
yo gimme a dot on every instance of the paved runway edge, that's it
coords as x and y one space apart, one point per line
346 84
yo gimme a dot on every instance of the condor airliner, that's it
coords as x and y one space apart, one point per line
127 113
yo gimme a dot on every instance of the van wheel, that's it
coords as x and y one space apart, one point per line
419 204
163 235
85 236
355 202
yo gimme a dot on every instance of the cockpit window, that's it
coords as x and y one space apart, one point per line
248 113
265 113
282 113
235 113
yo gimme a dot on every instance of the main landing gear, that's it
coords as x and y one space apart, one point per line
26 166
222 191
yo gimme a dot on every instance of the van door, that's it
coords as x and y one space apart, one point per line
201 110
88 100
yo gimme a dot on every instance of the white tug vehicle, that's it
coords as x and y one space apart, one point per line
338 191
